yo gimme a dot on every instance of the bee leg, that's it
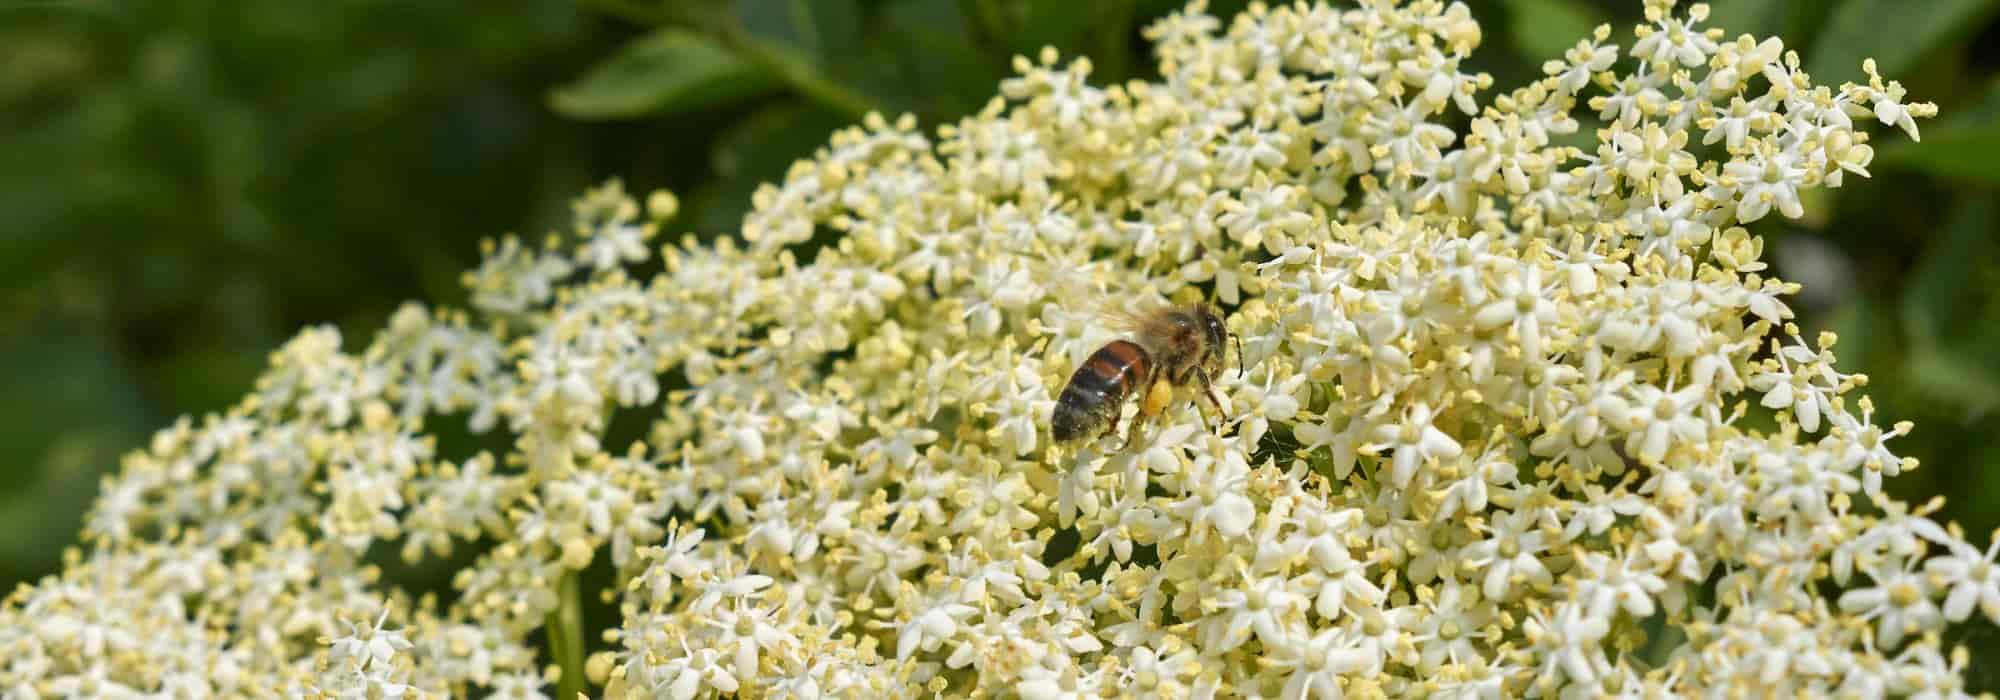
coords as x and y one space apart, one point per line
1132 433
1208 392
1205 424
1135 433
1158 395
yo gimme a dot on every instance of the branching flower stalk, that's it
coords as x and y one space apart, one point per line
1517 418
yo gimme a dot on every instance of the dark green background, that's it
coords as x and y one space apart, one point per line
185 183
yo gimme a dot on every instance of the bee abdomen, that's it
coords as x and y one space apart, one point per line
1097 390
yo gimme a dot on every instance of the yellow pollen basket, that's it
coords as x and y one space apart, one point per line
1157 399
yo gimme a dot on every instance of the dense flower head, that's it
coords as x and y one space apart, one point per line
1518 411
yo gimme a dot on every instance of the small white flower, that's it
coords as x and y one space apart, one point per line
1570 642
1413 440
1520 302
1972 581
1899 602
1765 180
1508 556
363 646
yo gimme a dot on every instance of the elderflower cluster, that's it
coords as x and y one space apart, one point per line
1510 417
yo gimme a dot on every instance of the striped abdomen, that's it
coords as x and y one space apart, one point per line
1096 392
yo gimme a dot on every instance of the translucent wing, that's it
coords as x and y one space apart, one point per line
1125 319
1151 324
1131 314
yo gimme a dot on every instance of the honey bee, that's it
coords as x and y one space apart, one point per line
1170 347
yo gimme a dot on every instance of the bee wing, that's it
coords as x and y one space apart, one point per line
1147 322
1126 319
1104 308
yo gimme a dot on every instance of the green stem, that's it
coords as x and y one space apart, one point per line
565 632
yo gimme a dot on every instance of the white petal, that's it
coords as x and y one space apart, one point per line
1438 444
1958 605
1808 412
1495 586
1328 604
1407 459
1233 514
1494 315
1862 599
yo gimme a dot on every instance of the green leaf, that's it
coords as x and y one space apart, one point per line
1940 289
837 28
1896 33
1952 377
1960 144
1543 29
1979 112
799 72
776 21
823 29
940 59
1972 155
668 71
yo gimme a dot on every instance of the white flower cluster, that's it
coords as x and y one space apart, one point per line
1492 434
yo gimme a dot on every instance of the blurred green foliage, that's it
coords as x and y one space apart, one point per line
185 183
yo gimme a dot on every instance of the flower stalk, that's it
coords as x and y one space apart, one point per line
565 637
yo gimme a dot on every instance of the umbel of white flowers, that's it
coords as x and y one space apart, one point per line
1488 443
